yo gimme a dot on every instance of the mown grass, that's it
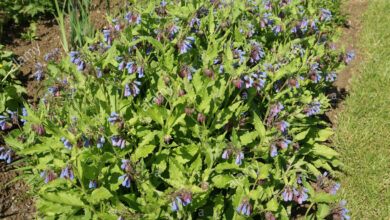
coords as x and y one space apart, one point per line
363 134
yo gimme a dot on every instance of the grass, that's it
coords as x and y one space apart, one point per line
363 134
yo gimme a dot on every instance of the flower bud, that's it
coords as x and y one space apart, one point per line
201 118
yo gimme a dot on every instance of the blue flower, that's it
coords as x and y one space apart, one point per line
6 156
121 66
184 46
99 72
119 142
326 15
239 157
274 151
67 143
300 195
287 194
225 154
282 126
67 173
92 184
245 208
174 206
126 180
140 71
349 56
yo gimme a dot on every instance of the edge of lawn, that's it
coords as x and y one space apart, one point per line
363 129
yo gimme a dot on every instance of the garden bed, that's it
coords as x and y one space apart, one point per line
272 206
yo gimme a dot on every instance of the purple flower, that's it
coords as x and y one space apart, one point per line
245 208
287 194
330 77
284 144
115 118
340 212
126 180
226 154
121 66
67 173
184 46
127 90
125 165
187 71
349 56
174 206
276 29
140 71
334 189
267 5
92 184
313 109
119 142
129 67
134 89
300 196
106 34
274 151
87 142
326 15
239 157
282 126
6 156
193 22
67 143
38 74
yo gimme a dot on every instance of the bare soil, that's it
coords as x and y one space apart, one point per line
350 40
15 202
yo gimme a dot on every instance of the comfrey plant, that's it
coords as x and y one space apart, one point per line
238 136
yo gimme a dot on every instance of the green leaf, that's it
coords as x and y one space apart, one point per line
71 198
259 126
325 151
100 194
322 210
248 138
222 181
144 151
272 205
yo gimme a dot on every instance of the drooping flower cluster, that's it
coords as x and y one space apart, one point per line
183 197
118 141
7 156
50 176
67 143
67 173
245 208
340 212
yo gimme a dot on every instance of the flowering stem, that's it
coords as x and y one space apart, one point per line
308 210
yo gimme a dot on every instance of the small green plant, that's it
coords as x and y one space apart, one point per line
80 24
30 35
10 88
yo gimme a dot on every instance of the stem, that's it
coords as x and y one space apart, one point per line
307 212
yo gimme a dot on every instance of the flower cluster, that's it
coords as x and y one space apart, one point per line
184 197
6 156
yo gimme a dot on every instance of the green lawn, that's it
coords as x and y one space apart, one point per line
363 135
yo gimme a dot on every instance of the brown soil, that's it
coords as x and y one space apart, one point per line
350 40
14 200
14 204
